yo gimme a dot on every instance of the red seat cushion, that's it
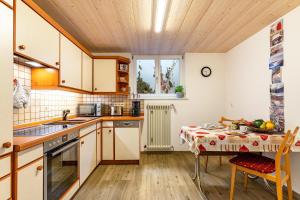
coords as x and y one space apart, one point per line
255 162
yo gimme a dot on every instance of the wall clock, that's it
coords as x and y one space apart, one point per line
206 71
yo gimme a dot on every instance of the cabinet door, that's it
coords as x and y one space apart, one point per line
87 155
35 37
105 75
5 191
70 64
87 72
99 152
107 144
6 77
127 144
9 2
30 181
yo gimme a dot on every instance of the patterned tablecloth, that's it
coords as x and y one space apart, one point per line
201 140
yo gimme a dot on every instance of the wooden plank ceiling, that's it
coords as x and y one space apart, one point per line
190 25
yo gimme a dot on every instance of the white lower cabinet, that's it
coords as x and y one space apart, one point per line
99 152
87 155
107 143
5 188
30 181
127 144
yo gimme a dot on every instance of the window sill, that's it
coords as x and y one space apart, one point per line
161 98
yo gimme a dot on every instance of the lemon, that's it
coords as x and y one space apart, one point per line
270 125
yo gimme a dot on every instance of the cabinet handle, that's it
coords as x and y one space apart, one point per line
95 88
63 81
56 63
109 131
6 145
82 142
98 132
22 47
39 168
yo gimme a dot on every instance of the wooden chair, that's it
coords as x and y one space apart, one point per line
262 166
225 122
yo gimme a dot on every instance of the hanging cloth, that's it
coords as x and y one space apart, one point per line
20 95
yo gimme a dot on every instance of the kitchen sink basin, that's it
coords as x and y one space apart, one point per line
66 122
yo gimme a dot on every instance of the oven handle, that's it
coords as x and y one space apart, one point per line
64 148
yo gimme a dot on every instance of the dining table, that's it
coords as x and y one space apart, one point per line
224 141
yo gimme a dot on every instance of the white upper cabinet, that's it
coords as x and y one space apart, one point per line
6 77
105 75
35 37
87 72
9 2
70 64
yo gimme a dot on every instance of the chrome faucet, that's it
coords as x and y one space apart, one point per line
65 114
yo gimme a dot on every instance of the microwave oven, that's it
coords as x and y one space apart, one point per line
89 110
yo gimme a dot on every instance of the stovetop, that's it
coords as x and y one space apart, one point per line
40 130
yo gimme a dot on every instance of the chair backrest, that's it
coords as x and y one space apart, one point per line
286 144
226 122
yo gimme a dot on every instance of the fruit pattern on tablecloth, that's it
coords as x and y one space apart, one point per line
219 140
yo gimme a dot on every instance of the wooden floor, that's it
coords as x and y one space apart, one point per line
166 176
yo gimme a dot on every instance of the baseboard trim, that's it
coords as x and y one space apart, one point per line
120 162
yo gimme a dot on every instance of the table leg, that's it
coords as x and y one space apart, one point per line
197 176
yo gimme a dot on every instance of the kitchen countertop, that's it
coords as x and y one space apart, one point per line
22 143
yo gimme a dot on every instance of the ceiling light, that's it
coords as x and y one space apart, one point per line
33 64
161 6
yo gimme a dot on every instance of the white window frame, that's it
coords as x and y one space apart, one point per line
157 59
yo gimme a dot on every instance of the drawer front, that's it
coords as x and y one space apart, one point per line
5 166
29 155
107 124
5 188
87 130
30 181
125 124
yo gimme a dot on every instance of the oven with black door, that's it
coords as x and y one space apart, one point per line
60 165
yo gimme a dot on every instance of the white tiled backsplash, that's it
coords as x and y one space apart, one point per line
48 104
43 104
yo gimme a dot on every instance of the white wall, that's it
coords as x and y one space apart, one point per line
204 101
248 79
205 96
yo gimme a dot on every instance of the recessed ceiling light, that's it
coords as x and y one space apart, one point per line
33 64
160 14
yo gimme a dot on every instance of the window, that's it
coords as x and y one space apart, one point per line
157 75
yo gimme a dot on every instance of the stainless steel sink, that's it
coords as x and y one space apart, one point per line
66 122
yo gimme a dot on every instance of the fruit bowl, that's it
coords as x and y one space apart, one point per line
260 130
261 126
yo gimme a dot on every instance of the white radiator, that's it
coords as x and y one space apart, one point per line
159 128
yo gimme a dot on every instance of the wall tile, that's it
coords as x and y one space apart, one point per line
47 104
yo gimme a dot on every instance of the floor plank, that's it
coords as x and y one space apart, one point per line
166 176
